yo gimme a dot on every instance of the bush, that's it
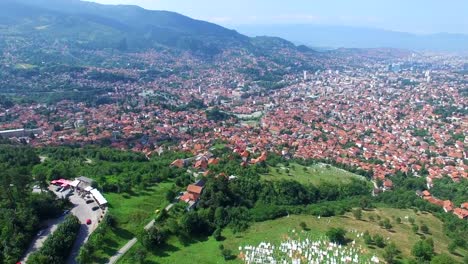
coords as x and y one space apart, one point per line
227 254
390 253
367 238
357 213
152 237
443 259
379 241
337 235
217 234
303 225
423 250
424 229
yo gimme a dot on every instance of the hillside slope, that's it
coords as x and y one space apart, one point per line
96 26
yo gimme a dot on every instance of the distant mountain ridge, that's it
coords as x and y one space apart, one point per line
354 37
114 26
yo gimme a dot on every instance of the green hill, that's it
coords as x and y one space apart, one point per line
127 28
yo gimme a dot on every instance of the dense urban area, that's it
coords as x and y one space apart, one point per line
258 152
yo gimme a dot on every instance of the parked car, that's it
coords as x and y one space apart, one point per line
88 221
89 201
95 208
40 232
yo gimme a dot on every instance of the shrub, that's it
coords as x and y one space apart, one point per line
337 235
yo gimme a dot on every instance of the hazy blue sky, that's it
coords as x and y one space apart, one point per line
418 16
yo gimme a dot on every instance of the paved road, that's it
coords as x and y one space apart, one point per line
83 211
39 240
132 242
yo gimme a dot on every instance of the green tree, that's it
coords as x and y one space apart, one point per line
443 259
367 238
303 225
152 237
391 253
379 241
424 229
219 217
423 250
365 203
217 234
139 256
386 224
337 235
357 213
171 195
452 247
227 254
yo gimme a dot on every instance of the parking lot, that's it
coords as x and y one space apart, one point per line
84 211
84 208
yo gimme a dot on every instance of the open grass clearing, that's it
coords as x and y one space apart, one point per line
24 66
316 174
132 213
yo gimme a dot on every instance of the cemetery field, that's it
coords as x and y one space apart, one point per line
207 250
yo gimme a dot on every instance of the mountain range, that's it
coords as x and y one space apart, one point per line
127 28
355 37
86 25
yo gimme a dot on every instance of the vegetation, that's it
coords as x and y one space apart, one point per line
21 211
230 209
337 235
58 245
127 216
200 248
314 174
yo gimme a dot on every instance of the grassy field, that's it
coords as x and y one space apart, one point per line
132 213
207 250
24 66
315 174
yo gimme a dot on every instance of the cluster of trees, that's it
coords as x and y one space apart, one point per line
6 102
236 203
403 196
21 211
113 170
58 245
217 115
109 77
447 189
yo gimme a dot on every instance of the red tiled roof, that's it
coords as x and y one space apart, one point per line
194 189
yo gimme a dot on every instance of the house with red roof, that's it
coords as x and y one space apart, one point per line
448 206
461 213
192 195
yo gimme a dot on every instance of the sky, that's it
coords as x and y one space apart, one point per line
415 16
